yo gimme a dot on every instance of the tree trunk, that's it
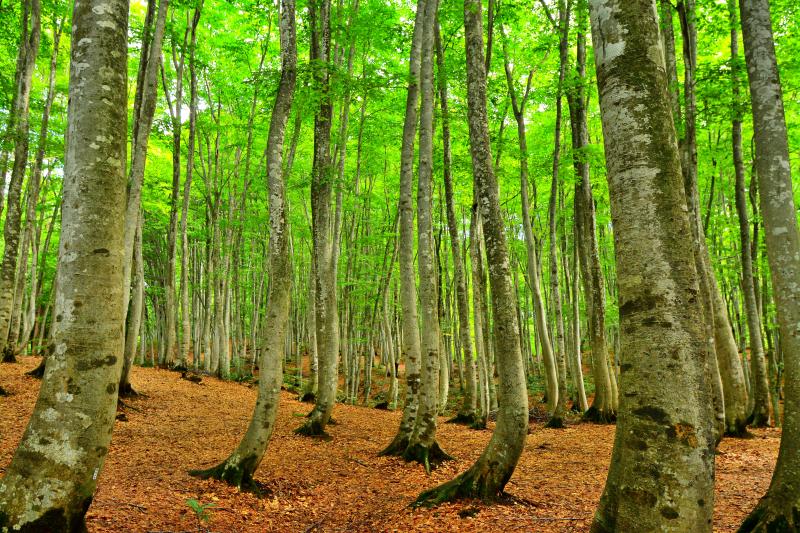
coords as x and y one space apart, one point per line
239 467
408 290
51 479
662 467
466 412
487 478
18 131
779 510
540 314
186 327
422 446
325 245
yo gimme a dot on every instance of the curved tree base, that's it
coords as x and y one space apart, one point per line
464 419
428 456
593 414
396 448
759 420
479 423
53 520
239 474
127 391
555 422
37 372
308 397
772 518
313 428
474 483
738 431
8 355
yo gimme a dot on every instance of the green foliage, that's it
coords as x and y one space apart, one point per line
202 511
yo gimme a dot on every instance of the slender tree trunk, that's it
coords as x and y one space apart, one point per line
135 315
422 445
665 417
408 290
239 467
51 479
187 187
779 510
144 109
466 412
490 473
324 234
18 131
540 314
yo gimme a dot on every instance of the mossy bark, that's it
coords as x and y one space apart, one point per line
662 467
52 476
408 290
778 510
488 476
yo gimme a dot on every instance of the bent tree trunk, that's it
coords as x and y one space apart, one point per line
408 288
52 477
779 510
662 467
239 467
487 478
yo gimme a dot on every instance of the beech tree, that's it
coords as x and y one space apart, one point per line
779 510
665 418
53 474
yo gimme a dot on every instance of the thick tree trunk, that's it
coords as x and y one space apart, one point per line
779 510
488 476
18 131
51 479
661 475
408 289
239 467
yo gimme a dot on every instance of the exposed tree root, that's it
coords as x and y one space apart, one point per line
308 397
593 414
38 372
479 423
464 419
8 355
740 431
239 475
473 483
127 391
397 447
770 518
313 428
428 456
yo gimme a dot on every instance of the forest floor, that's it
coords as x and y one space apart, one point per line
341 485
